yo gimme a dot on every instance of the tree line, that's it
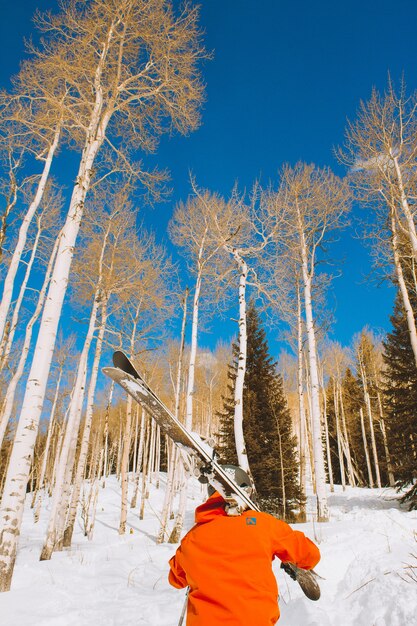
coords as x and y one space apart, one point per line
106 80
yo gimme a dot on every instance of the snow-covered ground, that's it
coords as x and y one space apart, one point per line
122 581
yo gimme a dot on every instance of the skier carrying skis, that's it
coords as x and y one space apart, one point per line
226 561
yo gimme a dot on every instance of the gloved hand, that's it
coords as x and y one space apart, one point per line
288 568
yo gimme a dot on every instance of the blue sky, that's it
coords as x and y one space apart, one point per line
284 78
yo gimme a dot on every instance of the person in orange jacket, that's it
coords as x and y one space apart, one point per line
226 561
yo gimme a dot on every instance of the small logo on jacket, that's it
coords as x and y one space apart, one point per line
251 521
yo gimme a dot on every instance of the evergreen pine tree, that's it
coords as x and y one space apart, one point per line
267 426
400 399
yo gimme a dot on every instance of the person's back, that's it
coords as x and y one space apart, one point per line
226 562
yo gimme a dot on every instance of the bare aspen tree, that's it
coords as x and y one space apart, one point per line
56 526
173 453
240 231
126 440
336 362
302 432
8 402
44 152
366 449
126 62
12 154
139 458
377 366
39 249
381 152
311 203
326 428
286 301
191 228
363 351
103 271
398 264
61 359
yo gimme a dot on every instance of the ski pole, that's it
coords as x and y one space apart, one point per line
184 608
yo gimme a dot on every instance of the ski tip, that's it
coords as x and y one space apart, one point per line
309 585
117 355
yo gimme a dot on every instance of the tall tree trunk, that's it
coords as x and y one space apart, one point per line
16 311
193 356
7 407
320 473
365 447
411 227
59 503
373 441
21 242
23 449
11 198
390 470
411 322
351 473
241 452
37 504
127 440
169 496
82 459
139 459
302 438
339 435
328 450
22 454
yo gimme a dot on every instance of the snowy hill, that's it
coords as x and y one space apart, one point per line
122 581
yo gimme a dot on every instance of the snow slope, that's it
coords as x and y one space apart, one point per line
122 581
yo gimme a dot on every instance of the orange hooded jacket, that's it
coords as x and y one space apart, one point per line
226 562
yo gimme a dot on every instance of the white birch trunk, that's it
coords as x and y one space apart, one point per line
180 358
9 398
169 491
82 460
139 459
179 520
241 366
328 451
21 457
309 437
373 442
126 440
370 417
193 355
37 504
22 454
21 242
390 471
16 311
319 468
351 473
339 436
365 447
61 491
302 412
106 436
411 322
411 227
169 494
125 466
136 441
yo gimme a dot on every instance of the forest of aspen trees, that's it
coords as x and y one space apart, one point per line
82 277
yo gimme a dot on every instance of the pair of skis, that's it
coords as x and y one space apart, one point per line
197 454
